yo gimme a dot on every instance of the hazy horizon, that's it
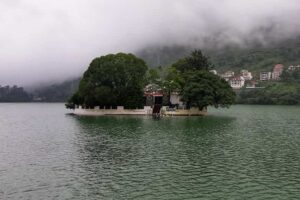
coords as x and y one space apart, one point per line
44 41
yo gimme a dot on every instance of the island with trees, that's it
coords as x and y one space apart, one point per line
122 84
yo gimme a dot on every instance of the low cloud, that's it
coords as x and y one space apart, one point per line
44 40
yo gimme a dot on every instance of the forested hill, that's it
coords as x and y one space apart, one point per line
255 57
14 94
59 92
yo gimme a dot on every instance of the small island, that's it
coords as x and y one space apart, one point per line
122 84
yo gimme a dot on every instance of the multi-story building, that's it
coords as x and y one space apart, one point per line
237 82
265 76
277 71
246 75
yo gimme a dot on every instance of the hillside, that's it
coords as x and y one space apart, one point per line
59 92
255 57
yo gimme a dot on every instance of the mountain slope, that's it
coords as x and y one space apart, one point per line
255 57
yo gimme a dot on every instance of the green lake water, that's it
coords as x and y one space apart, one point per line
245 152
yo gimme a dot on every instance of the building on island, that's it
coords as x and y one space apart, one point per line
153 95
237 82
277 71
265 76
156 102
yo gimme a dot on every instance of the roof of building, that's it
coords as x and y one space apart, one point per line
237 78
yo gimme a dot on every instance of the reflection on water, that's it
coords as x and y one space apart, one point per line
247 152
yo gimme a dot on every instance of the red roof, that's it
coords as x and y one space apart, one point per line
153 94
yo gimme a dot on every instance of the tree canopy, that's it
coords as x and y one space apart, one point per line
111 80
194 62
200 88
203 89
119 80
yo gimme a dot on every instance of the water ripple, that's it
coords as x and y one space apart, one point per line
246 152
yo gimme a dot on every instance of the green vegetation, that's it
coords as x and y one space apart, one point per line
112 80
199 87
280 93
285 92
204 89
118 80
290 76
254 57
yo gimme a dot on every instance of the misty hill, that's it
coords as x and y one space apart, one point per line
14 94
59 92
255 57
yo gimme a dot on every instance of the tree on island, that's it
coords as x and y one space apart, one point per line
204 89
119 80
198 87
111 80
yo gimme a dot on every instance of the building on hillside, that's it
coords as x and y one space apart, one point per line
237 82
246 75
277 71
294 68
227 75
265 76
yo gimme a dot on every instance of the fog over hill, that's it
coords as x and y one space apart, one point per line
43 41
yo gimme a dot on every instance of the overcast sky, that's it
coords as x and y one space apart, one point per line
43 40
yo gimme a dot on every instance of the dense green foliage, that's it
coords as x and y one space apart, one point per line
198 87
14 94
112 80
290 76
194 62
285 92
119 79
204 89
280 93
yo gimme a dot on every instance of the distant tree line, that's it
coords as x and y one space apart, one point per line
14 94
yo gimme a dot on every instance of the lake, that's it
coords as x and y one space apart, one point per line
245 152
